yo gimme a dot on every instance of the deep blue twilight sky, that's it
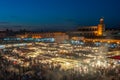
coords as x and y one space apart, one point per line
57 14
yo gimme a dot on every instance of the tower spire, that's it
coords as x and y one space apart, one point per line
101 27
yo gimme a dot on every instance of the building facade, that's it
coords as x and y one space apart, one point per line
58 36
89 31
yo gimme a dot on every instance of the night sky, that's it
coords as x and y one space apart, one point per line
57 14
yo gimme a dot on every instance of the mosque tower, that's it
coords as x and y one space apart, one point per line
101 27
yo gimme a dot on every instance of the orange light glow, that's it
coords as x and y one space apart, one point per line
100 30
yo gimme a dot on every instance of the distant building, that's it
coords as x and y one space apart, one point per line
101 28
58 36
89 31
96 33
29 35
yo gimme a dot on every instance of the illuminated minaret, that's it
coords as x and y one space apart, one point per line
101 27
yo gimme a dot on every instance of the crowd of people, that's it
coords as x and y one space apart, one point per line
42 67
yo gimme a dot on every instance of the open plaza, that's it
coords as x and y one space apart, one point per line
60 61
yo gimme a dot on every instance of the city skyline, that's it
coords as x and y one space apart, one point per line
60 14
59 40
